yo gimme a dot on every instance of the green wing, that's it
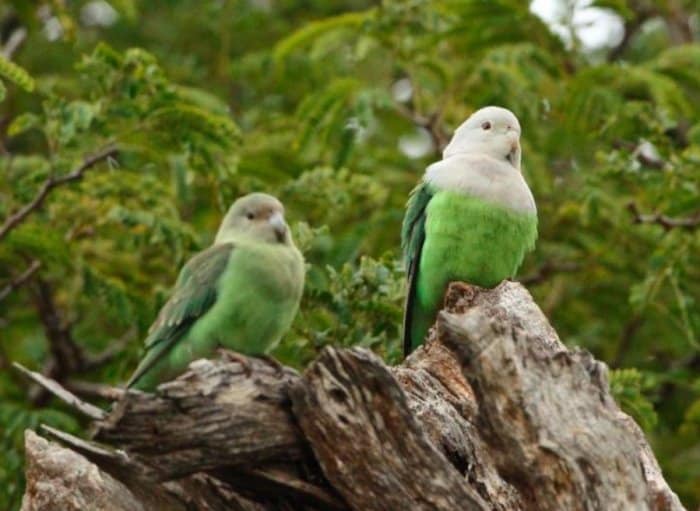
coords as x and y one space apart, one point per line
194 294
412 238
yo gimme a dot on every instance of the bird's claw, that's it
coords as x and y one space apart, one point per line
232 356
279 368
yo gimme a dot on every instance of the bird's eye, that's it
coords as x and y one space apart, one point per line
486 125
249 216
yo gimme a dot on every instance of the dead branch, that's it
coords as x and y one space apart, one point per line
667 222
547 270
14 42
54 388
350 399
89 389
20 280
68 358
431 123
494 412
114 348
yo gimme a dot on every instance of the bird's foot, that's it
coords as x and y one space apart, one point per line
279 368
232 356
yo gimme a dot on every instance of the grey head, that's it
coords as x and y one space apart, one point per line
258 216
493 131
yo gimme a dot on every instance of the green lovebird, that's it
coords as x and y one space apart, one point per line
472 219
241 293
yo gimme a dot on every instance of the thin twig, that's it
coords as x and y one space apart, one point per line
114 348
629 331
630 30
20 280
430 123
667 222
14 42
52 182
57 390
642 14
95 390
95 452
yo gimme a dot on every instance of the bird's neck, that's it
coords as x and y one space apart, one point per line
481 176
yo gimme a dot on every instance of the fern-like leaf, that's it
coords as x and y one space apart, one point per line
626 388
316 29
16 74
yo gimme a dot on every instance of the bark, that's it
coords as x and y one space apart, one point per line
494 412
221 413
59 478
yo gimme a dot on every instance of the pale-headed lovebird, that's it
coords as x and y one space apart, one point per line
471 219
241 293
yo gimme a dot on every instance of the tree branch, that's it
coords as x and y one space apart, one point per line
493 412
642 13
547 270
667 222
20 280
52 182
626 337
93 390
14 42
631 28
66 355
114 348
83 407
430 123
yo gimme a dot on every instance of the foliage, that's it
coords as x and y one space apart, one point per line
207 100
627 387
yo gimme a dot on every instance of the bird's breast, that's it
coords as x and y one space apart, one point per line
472 240
483 177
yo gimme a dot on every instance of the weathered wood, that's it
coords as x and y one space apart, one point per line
546 413
444 404
368 444
93 473
494 412
59 478
271 483
219 413
89 410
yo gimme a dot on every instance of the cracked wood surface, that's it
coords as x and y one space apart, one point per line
494 412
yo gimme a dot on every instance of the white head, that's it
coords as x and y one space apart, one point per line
493 131
256 215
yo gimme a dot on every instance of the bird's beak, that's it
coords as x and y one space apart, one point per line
514 154
279 225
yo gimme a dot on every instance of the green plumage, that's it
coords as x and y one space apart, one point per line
241 295
449 236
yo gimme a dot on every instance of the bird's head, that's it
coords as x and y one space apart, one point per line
493 131
257 215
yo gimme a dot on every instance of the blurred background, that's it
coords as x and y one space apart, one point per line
337 107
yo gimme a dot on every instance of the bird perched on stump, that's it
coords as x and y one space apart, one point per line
471 219
241 293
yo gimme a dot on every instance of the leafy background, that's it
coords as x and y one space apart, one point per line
337 107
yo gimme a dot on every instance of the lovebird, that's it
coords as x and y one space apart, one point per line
472 218
241 293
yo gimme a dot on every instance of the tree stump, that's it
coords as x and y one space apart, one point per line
493 413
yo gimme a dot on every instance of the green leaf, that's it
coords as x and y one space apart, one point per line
22 123
316 29
16 74
626 388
